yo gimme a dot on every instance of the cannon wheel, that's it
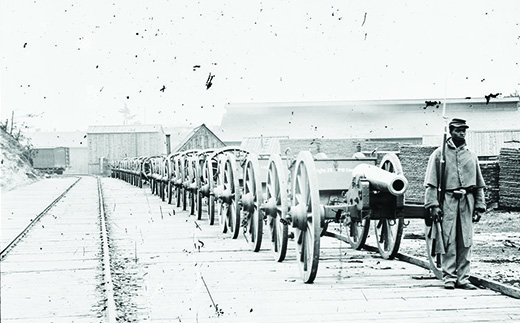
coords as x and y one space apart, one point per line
207 179
185 179
178 177
357 232
170 191
164 184
255 217
198 196
389 231
276 189
229 214
436 269
191 165
305 195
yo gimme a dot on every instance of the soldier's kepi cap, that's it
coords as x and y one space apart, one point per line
458 123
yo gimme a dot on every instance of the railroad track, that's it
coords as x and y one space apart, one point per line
165 264
63 239
5 250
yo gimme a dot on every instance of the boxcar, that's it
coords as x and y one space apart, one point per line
51 160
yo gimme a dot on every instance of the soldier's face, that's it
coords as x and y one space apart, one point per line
458 134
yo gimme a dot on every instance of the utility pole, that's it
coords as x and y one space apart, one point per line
12 122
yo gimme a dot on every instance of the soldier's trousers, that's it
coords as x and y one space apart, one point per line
456 260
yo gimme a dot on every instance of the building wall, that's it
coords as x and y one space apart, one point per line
343 147
202 139
78 157
115 146
364 119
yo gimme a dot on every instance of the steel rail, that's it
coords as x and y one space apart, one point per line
111 312
6 250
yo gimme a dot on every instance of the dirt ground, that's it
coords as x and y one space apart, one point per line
496 250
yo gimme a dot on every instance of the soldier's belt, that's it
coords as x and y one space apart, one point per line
458 193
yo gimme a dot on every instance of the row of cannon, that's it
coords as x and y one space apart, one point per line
299 199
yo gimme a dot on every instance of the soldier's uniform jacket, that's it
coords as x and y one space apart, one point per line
462 171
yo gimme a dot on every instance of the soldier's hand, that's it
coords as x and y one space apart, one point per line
477 214
436 214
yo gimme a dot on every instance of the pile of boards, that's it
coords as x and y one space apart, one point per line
509 177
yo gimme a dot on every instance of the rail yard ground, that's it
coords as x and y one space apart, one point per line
169 267
496 253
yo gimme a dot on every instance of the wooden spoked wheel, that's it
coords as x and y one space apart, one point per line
229 214
171 177
199 196
164 180
208 179
389 231
152 177
435 264
252 193
179 171
356 231
191 183
305 215
185 180
276 195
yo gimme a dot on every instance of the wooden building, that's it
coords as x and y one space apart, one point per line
110 143
394 120
200 137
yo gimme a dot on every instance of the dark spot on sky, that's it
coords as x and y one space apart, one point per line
209 81
127 97
163 88
491 95
24 45
432 104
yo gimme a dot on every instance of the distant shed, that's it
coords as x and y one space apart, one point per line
200 137
110 143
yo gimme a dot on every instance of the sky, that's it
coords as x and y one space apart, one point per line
66 65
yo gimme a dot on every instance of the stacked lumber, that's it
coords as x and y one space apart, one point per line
414 160
490 171
509 178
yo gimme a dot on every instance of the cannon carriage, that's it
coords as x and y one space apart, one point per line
231 183
188 162
132 170
297 199
347 192
157 175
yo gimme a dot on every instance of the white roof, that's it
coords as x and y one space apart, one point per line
125 129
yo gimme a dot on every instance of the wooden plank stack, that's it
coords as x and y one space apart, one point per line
414 160
509 178
490 171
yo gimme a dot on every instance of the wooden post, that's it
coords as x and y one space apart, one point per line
12 122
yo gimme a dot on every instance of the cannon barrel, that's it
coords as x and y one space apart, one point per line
381 179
